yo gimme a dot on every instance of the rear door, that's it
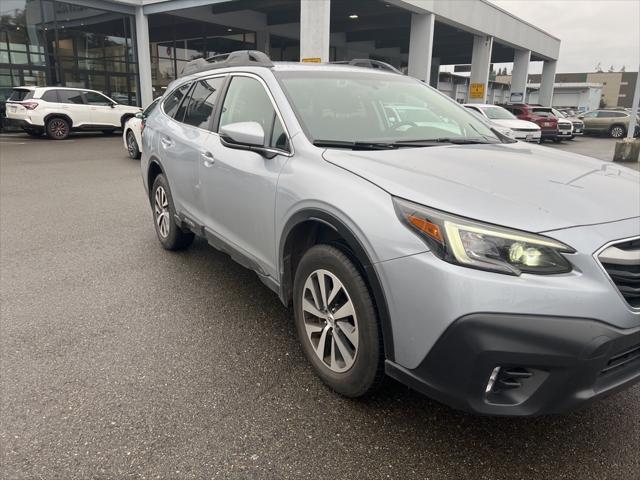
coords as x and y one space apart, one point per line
590 120
72 104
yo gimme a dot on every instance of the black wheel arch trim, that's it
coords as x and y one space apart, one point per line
355 245
58 115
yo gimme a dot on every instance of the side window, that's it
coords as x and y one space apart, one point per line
94 98
174 100
605 114
516 111
50 96
590 114
70 96
247 101
147 111
618 114
202 102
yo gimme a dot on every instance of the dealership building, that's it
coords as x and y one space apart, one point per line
132 49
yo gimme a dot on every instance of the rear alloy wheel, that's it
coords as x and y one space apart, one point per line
337 322
617 131
132 146
58 128
171 236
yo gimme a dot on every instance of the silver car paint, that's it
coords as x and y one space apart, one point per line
521 186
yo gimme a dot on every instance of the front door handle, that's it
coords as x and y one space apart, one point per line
207 159
166 142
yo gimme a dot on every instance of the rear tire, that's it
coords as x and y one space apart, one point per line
344 349
170 235
132 146
617 131
58 128
557 140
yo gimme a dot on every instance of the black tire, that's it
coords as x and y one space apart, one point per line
58 128
132 146
367 372
557 140
173 238
617 131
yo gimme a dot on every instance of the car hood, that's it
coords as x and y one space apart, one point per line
515 123
517 185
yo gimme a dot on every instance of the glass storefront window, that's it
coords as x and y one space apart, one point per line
51 42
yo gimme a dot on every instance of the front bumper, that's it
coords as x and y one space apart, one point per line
539 364
564 134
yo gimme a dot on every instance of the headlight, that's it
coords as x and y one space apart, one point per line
486 247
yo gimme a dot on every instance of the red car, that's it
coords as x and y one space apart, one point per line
547 122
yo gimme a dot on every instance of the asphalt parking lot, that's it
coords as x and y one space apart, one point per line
121 360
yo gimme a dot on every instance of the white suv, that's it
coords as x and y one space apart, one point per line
58 111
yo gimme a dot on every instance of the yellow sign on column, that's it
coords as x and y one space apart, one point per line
476 90
311 60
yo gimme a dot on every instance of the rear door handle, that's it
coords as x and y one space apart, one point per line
207 159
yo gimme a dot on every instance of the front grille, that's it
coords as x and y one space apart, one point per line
622 263
622 359
564 128
530 130
578 124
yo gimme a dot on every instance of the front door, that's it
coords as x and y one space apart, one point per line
238 186
102 110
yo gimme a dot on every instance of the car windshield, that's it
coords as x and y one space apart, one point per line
543 112
498 113
348 107
558 113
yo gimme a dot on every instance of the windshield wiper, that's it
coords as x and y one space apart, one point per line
355 145
435 141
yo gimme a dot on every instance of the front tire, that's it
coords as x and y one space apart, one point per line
58 128
337 322
617 131
132 146
170 235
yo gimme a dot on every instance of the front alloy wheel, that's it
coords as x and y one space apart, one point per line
330 320
132 146
337 321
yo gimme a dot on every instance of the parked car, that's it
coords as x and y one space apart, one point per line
132 131
547 122
495 276
507 132
57 111
576 123
522 130
565 127
612 122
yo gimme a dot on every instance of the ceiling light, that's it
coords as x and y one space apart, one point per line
229 29
353 16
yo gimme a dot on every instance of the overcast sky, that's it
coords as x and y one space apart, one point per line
591 31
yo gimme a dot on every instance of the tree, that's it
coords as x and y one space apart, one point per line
599 67
623 68
611 69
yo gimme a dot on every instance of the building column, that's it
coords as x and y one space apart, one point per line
421 46
315 29
480 65
145 95
520 75
263 41
545 96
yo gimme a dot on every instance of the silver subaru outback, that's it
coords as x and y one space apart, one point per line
411 239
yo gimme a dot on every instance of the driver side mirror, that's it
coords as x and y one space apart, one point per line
245 136
139 115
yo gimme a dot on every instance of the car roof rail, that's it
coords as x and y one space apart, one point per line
239 58
369 63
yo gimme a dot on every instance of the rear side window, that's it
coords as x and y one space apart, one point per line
173 101
50 96
150 108
202 102
70 96
20 94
